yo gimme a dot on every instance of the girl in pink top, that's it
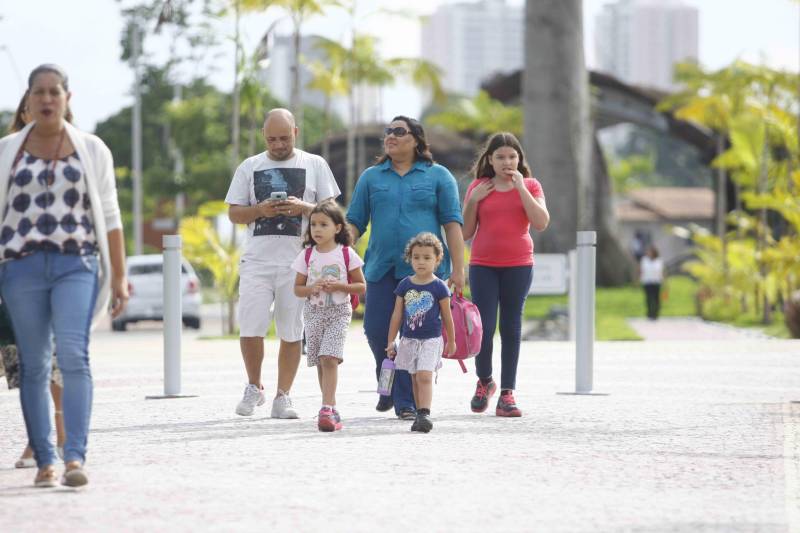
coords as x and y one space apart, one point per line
500 206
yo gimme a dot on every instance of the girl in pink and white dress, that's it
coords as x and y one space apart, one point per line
328 272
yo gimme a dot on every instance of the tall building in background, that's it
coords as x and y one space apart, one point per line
472 41
639 41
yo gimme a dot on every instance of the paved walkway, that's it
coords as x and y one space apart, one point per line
693 436
690 328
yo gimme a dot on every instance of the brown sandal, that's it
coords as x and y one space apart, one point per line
74 476
46 477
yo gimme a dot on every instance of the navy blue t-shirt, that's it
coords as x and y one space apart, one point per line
421 316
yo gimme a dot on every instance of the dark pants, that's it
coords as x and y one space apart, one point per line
378 309
508 288
652 294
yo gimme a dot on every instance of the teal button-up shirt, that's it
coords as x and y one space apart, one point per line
400 207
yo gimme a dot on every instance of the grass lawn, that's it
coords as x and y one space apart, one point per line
613 305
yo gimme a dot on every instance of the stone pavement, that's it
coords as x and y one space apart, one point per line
692 436
690 328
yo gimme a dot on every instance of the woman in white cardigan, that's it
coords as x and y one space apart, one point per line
62 261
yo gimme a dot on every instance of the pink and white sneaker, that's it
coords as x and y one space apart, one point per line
329 420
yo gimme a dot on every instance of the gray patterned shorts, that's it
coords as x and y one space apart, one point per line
326 330
414 355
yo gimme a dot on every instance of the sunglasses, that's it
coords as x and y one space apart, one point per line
397 132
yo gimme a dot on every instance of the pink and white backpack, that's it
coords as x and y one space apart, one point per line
468 329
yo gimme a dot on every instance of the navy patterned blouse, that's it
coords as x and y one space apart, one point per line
46 210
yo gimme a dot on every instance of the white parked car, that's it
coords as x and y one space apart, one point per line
146 287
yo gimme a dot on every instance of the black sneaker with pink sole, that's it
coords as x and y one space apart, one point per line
483 392
507 406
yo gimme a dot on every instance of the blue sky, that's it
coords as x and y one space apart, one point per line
38 31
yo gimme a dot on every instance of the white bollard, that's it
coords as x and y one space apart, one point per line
172 314
584 326
572 265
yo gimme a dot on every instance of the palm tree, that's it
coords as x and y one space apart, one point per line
363 67
555 100
478 116
330 81
300 11
253 95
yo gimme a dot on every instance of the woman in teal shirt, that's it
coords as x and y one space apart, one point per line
404 194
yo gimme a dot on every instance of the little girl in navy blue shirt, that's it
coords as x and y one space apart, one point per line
422 304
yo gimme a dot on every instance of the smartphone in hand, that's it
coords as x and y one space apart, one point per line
278 195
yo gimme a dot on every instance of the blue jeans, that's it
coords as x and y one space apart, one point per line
508 288
378 309
49 295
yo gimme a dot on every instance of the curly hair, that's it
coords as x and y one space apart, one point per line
332 210
424 239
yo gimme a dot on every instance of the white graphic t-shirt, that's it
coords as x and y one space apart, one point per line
276 241
328 266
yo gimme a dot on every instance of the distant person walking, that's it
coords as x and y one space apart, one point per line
273 193
58 190
651 276
500 206
328 273
404 194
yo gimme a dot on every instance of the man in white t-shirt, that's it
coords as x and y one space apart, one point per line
273 193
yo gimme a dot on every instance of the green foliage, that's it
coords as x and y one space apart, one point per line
632 172
478 116
613 305
753 269
204 248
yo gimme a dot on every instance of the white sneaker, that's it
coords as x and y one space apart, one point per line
282 406
253 396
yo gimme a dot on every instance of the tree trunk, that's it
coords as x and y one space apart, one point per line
231 316
235 116
721 208
350 177
615 265
326 137
763 233
251 135
297 90
555 100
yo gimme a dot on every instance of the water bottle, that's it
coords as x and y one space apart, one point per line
386 377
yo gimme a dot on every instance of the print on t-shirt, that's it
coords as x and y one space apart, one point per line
327 273
422 318
417 304
292 181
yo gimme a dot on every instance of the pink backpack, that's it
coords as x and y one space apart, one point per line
346 253
468 329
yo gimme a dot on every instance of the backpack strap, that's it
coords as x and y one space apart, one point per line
308 255
346 254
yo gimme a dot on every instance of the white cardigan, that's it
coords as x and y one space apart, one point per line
98 167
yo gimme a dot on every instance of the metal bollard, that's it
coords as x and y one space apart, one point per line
584 325
172 314
572 262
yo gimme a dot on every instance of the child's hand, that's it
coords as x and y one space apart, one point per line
450 349
318 286
332 286
391 352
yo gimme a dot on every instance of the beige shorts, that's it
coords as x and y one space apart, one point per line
266 293
414 355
